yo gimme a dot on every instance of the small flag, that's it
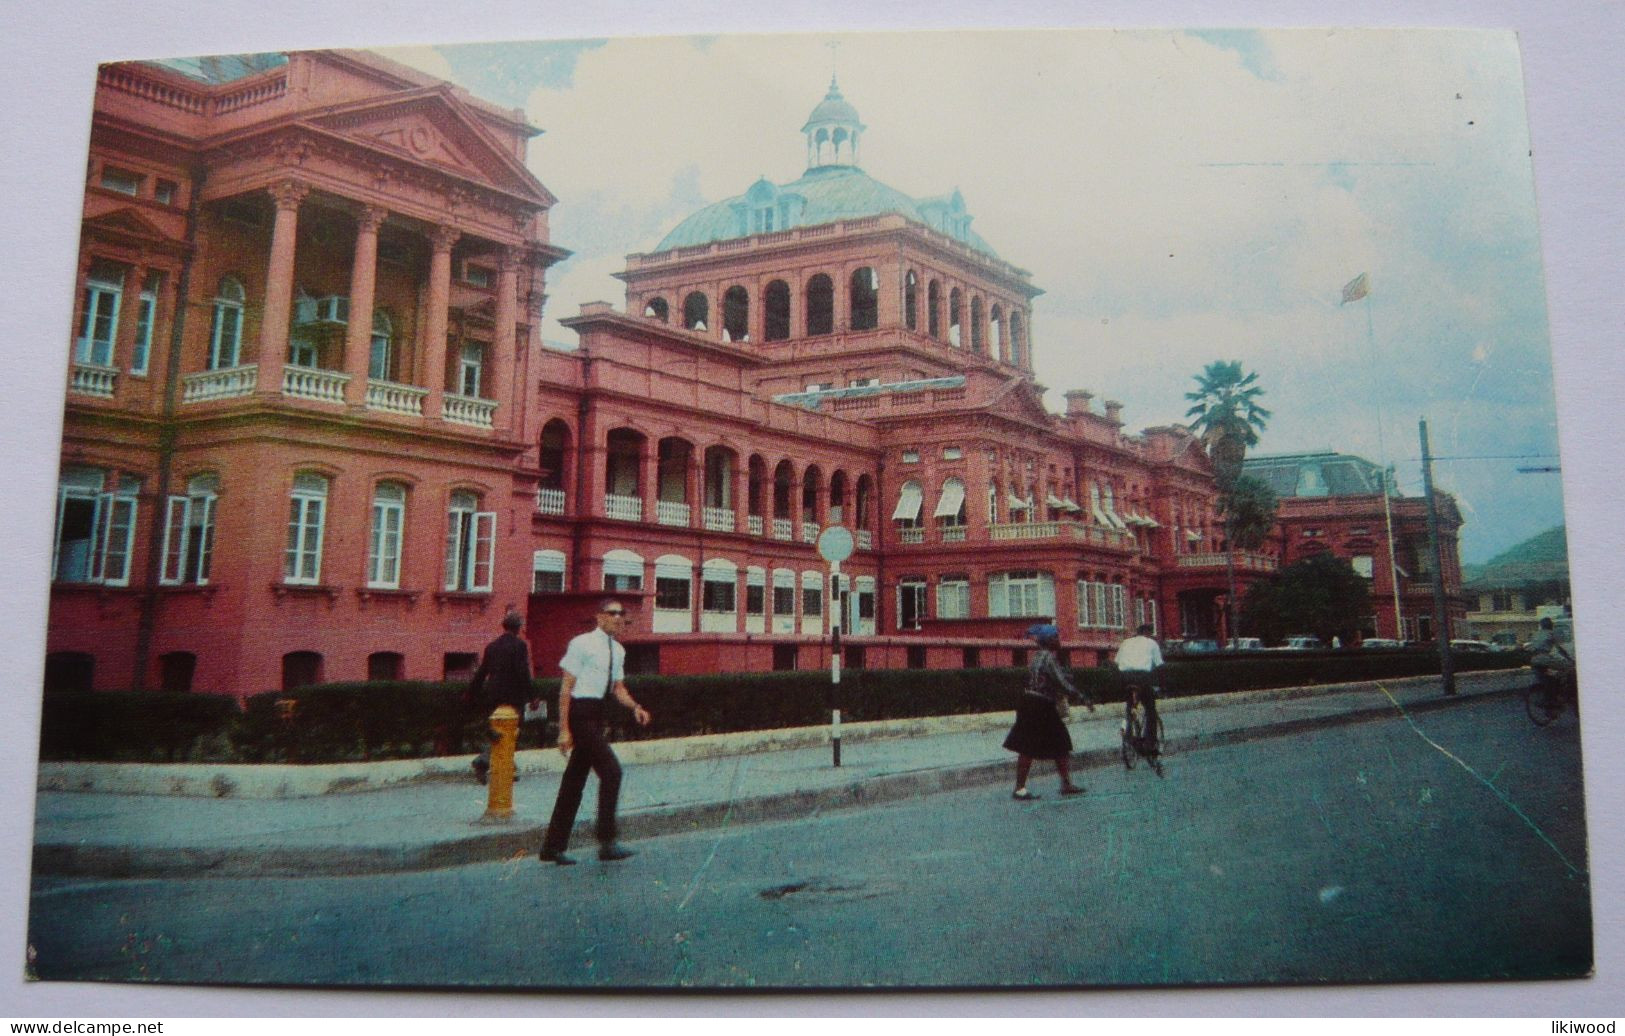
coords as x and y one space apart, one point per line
1356 289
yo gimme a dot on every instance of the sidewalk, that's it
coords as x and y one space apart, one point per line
436 823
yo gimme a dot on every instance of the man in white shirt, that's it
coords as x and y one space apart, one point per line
1138 658
594 668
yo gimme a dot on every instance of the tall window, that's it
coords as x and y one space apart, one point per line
302 561
657 309
911 301
976 324
547 572
623 570
865 299
145 314
384 550
696 311
1104 605
189 533
380 358
302 351
470 365
1021 595
776 311
812 602
953 317
736 315
226 330
673 583
470 545
820 305
953 597
718 592
755 591
104 289
784 594
95 528
910 603
950 510
933 309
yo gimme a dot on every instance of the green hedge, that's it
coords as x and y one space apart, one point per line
413 719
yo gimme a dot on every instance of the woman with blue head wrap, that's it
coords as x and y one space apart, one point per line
1039 731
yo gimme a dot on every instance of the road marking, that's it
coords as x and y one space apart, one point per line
1480 777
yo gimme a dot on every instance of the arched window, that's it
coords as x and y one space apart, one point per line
386 665
674 588
865 496
783 480
950 509
623 570
696 311
933 309
301 669
996 345
302 561
470 544
776 300
554 456
1018 344
736 315
384 547
226 331
657 309
976 324
865 299
381 360
911 301
953 318
909 498
820 305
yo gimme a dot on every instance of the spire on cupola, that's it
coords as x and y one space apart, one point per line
832 131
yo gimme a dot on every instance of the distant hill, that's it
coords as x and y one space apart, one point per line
1540 559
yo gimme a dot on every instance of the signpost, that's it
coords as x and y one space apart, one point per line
835 545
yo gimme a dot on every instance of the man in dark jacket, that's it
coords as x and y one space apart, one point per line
503 678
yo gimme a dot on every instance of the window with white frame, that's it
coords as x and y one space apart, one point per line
95 528
384 546
470 545
146 312
784 593
755 591
307 508
992 503
1151 615
547 572
950 509
122 180
910 603
189 533
98 328
470 366
380 354
1362 565
1020 594
953 597
910 498
812 594
952 453
226 327
623 570
864 606
1118 612
718 590
674 579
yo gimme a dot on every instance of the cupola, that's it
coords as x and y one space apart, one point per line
832 131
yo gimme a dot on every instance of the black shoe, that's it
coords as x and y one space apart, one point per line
612 852
556 856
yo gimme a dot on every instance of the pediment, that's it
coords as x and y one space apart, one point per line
1021 401
432 127
126 222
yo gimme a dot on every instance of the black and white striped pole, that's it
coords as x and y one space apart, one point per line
835 546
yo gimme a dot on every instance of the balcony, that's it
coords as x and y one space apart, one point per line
92 380
1067 530
229 383
911 535
953 534
310 383
753 524
783 529
468 410
866 540
809 532
394 398
624 508
672 512
718 519
550 501
1244 562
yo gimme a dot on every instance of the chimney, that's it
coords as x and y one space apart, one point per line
1077 402
1114 411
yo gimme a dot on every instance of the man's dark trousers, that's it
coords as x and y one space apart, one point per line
591 752
1141 680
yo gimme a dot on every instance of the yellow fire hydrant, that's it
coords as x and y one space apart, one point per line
499 800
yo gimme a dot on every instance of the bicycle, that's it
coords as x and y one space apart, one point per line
1546 698
1136 741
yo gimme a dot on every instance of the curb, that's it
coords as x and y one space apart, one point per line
519 841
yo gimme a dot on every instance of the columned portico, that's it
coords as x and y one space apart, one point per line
363 279
503 344
274 322
434 325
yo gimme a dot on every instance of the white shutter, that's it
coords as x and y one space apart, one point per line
482 557
177 519
118 514
205 548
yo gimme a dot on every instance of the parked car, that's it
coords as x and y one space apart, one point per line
1470 645
1244 644
1376 643
1504 641
1302 644
1199 646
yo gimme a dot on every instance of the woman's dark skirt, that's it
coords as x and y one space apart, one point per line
1039 731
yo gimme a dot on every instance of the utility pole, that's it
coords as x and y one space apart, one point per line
1441 618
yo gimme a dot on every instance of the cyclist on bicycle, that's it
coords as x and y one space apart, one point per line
1138 658
1553 665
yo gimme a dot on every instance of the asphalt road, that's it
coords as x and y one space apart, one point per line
1383 851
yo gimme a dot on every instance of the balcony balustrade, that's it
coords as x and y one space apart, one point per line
809 532
625 508
753 524
718 519
866 540
311 383
953 534
782 529
1078 531
468 410
391 397
672 512
1244 561
220 384
92 380
550 501
911 535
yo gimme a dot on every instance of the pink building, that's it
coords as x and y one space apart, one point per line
312 433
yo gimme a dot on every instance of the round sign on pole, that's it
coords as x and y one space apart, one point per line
835 544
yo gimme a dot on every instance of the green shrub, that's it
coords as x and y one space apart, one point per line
120 727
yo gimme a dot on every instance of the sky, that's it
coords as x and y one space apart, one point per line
1180 197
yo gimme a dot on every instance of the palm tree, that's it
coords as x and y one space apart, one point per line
1227 415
